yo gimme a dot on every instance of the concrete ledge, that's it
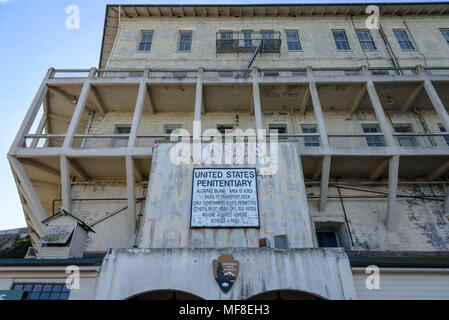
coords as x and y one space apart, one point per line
127 273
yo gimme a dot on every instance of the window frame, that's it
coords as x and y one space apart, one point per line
277 126
180 33
371 40
142 32
298 41
409 40
411 138
380 140
27 293
247 42
117 128
308 141
341 41
322 231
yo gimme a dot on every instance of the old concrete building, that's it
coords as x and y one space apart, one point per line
358 176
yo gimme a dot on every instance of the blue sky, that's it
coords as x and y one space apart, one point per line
34 37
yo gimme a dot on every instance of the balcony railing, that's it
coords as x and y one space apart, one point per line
248 42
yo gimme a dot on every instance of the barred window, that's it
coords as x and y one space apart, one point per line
341 41
403 40
293 43
185 41
145 41
366 41
43 291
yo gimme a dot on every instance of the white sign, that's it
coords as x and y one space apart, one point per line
225 198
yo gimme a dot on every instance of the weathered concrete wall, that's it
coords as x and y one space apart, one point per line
315 33
129 272
422 224
282 207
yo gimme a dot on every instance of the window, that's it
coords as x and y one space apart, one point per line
340 40
43 291
310 141
281 128
267 34
327 239
443 129
121 142
445 33
247 36
366 41
226 35
145 41
226 74
403 40
185 41
293 43
373 141
405 141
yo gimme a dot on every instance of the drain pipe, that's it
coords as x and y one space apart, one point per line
390 51
116 36
424 125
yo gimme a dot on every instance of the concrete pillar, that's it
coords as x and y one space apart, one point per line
131 196
324 185
138 110
384 124
39 130
437 103
319 115
79 109
199 96
256 99
28 190
392 214
446 200
66 187
32 111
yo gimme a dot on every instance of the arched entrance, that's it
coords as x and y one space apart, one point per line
285 295
165 295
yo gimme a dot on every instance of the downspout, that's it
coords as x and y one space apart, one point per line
390 51
424 125
116 36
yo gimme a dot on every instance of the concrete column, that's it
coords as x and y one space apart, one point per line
319 115
138 110
32 112
392 214
29 192
437 103
79 109
446 200
324 185
199 96
256 100
384 124
39 130
131 196
66 187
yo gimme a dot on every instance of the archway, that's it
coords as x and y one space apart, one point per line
286 295
165 295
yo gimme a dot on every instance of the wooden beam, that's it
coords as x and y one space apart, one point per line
411 98
305 101
357 99
379 170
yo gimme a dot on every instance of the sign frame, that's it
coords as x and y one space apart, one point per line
225 227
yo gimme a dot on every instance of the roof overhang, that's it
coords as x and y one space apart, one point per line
111 22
